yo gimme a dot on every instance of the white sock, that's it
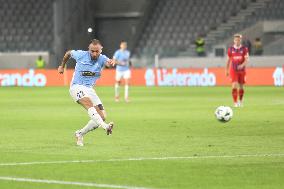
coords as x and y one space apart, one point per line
126 92
116 90
91 125
94 115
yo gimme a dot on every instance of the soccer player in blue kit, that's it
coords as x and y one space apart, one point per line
122 59
89 65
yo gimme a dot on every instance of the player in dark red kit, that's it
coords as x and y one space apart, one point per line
237 61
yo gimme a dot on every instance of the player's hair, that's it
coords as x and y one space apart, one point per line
123 41
238 35
95 42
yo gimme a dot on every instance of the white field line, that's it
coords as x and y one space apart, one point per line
143 159
90 184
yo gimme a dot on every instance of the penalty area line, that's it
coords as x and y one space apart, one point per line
89 184
143 159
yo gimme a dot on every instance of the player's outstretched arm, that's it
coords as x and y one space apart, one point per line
64 62
117 62
110 63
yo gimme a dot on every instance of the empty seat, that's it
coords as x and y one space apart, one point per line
18 21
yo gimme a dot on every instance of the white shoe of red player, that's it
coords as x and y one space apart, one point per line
79 138
236 104
240 104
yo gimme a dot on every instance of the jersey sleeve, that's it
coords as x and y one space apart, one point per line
104 59
76 54
229 52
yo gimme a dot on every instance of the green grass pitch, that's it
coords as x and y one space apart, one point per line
37 125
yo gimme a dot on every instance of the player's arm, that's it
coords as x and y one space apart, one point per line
228 62
118 62
116 57
64 62
110 63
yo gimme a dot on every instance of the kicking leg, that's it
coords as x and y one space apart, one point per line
102 113
90 126
92 112
97 120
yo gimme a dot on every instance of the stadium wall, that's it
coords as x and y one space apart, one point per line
262 76
208 62
22 60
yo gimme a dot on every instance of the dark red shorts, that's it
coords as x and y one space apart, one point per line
239 77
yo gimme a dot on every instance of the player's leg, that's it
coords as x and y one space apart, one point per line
126 90
91 125
81 95
241 88
77 92
241 94
235 93
100 109
98 105
116 86
94 123
79 134
116 90
126 77
87 103
234 79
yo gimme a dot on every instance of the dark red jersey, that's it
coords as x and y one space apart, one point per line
237 57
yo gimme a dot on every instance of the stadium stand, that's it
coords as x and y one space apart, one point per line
261 10
170 29
26 25
174 24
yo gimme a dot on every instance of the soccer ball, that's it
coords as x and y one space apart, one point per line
224 113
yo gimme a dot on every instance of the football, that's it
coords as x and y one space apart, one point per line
224 113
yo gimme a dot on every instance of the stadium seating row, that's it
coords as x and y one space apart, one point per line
175 24
26 25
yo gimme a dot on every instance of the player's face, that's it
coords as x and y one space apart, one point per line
123 45
95 50
237 41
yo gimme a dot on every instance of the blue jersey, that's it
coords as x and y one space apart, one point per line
123 57
87 71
